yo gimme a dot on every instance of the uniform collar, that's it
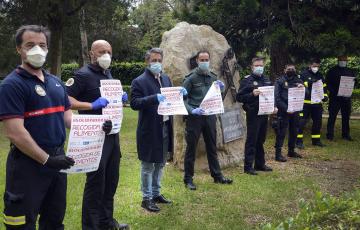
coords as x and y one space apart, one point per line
97 69
202 73
24 73
257 77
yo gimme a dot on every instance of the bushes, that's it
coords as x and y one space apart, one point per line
125 71
325 212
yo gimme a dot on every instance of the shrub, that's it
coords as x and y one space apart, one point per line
125 71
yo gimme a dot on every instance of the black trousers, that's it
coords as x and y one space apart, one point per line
100 187
335 105
286 121
195 125
255 139
315 112
33 189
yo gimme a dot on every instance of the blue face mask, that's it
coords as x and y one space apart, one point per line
155 67
258 70
204 66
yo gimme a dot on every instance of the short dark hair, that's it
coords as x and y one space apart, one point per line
315 60
202 51
257 58
33 28
289 64
153 50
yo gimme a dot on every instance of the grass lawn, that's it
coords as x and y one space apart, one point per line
247 204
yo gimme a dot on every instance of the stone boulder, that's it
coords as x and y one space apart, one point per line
179 45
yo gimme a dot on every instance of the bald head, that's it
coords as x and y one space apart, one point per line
99 48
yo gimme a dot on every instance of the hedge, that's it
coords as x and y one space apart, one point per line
125 71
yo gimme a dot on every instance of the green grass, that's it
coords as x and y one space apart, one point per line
247 204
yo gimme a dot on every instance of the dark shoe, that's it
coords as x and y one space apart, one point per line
116 226
222 180
190 185
348 138
250 172
300 145
294 155
161 199
150 206
329 137
318 143
264 168
280 158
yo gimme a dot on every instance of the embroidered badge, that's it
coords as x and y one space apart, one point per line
70 82
40 91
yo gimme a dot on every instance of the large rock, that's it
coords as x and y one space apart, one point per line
179 45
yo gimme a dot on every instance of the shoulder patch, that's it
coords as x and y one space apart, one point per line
70 82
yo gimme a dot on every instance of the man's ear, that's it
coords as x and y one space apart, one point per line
18 50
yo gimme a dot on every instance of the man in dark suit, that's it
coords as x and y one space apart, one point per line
154 131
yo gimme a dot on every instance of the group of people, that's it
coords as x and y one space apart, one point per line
36 110
291 122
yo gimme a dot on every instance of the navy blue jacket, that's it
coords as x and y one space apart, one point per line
333 78
149 136
282 85
245 94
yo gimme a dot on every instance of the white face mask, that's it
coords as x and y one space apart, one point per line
314 69
36 56
342 63
104 61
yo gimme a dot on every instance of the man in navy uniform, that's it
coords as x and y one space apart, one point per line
256 124
313 109
337 103
35 110
101 185
286 120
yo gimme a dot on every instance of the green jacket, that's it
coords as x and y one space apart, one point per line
197 85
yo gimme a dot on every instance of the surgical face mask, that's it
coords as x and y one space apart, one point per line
36 56
342 63
258 70
104 61
204 66
155 67
314 69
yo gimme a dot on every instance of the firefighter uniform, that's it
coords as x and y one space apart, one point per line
285 120
256 124
32 188
313 110
197 85
101 185
337 103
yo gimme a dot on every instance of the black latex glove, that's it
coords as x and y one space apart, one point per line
325 99
107 126
59 162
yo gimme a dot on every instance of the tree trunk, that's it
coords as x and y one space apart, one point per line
83 36
56 28
279 57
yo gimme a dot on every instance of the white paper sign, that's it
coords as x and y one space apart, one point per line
266 100
174 103
85 143
112 91
346 86
317 92
296 97
212 102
